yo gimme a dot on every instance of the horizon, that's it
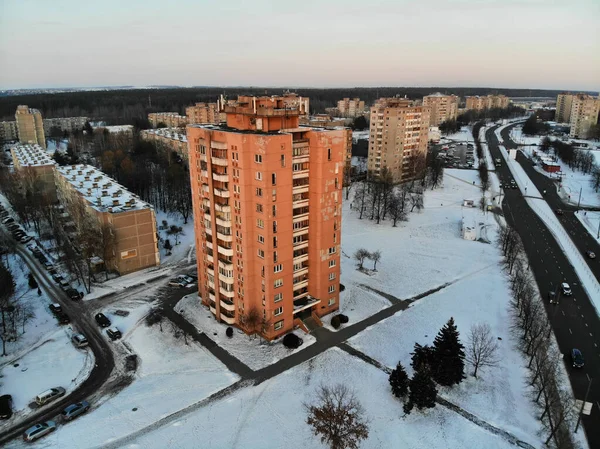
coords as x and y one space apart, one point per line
513 44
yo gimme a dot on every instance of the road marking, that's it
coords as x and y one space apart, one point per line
563 312
588 376
586 325
570 331
591 334
546 271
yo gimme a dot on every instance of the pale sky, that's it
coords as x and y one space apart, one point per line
548 44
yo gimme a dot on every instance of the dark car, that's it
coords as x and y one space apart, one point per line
63 318
102 320
73 294
559 212
74 410
577 358
590 254
113 333
57 278
5 406
55 308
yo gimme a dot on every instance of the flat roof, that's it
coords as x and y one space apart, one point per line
32 155
101 191
169 133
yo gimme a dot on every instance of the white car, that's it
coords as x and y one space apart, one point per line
186 279
566 289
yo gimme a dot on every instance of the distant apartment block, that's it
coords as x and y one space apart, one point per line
267 214
398 138
564 102
30 126
69 124
125 130
8 131
491 101
173 139
443 107
351 107
133 221
37 165
323 121
203 113
170 119
584 115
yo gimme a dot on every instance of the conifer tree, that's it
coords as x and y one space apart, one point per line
399 381
422 391
449 356
422 357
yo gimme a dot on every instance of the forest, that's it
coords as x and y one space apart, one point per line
129 106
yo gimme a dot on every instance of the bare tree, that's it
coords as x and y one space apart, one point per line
416 199
375 256
481 347
396 209
155 316
24 313
338 418
175 231
360 255
252 321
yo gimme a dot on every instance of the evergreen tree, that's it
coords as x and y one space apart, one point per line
399 381
32 282
422 391
449 356
422 357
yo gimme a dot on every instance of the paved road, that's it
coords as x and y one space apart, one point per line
80 320
574 320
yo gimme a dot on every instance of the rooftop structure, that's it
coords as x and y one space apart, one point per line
35 163
30 156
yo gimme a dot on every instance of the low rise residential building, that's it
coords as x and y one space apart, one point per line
68 124
30 126
174 139
169 119
351 107
204 113
132 221
37 166
323 121
399 134
478 103
8 131
443 107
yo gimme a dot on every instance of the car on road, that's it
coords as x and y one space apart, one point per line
55 308
177 283
79 340
566 289
559 212
74 410
552 297
113 333
187 279
590 254
102 320
577 358
49 395
39 430
6 406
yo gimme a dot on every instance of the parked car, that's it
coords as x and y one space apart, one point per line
49 395
102 320
177 283
577 358
39 430
47 265
74 410
8 220
12 227
57 278
187 279
55 308
5 406
79 340
73 294
63 318
559 212
590 254
113 333
566 289
26 239
64 283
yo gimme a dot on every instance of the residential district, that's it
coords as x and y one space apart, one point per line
247 274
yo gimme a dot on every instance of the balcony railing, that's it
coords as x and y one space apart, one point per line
226 293
227 319
227 305
222 207
300 174
222 193
300 203
225 251
219 161
220 177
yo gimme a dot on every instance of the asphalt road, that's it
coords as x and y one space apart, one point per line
97 343
574 319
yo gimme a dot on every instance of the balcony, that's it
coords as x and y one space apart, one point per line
300 294
222 193
300 174
301 284
300 255
222 222
213 310
227 305
222 207
225 237
210 271
210 284
211 296
225 265
209 244
225 251
228 319
220 177
226 279
301 271
204 173
226 293
305 303
219 161
300 203
209 258
300 217
300 159
300 189
301 231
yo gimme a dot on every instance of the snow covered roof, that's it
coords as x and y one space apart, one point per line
169 133
103 193
32 155
117 128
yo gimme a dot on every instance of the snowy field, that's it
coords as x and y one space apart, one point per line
171 376
185 249
239 421
251 350
591 221
357 303
464 135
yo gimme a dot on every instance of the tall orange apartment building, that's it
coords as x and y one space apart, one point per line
203 113
267 207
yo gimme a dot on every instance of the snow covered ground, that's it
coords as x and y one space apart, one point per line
361 135
591 221
271 415
251 350
171 376
357 303
185 249
464 135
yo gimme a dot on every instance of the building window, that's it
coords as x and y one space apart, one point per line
274 210
278 283
259 176
328 154
258 158
274 179
258 191
261 254
331 288
278 325
277 268
331 263
129 254
278 297
261 239
274 256
274 242
331 301
283 160
278 311
260 223
331 276
332 250
259 207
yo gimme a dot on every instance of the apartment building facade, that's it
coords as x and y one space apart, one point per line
564 102
37 166
203 113
488 102
267 214
443 107
69 124
398 138
30 126
133 221
170 119
8 131
584 115
351 107
173 139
